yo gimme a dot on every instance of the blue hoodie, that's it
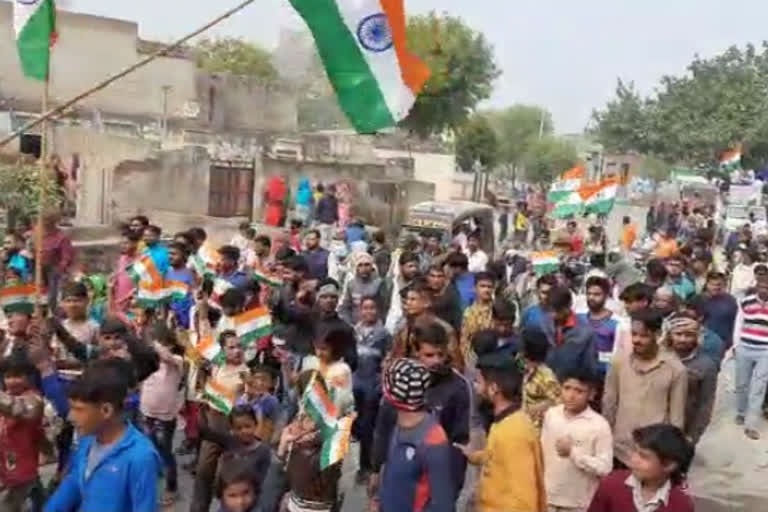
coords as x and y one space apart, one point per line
125 480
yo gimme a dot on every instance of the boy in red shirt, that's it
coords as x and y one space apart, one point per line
658 464
21 434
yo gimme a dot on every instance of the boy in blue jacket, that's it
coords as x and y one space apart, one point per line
115 467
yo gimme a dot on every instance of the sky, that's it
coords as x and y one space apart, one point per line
565 56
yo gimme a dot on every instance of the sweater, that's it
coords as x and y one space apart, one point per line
512 475
615 495
417 477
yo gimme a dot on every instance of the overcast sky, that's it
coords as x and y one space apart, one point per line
559 54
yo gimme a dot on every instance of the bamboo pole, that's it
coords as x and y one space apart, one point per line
130 69
43 184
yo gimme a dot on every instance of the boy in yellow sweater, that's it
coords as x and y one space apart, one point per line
512 476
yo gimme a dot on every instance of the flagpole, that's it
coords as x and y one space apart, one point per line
43 185
47 114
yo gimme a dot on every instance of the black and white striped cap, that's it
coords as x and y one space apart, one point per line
405 384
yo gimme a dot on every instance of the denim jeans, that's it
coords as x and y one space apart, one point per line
161 433
751 382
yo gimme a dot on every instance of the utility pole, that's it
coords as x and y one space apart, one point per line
164 124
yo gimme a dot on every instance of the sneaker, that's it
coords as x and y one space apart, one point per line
752 434
739 419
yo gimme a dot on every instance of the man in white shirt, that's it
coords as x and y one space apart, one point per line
478 260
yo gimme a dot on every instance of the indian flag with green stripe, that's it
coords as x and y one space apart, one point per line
219 396
209 348
268 279
18 298
567 183
362 44
318 405
569 206
35 25
253 325
545 262
176 290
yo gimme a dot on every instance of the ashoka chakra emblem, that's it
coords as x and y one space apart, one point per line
374 33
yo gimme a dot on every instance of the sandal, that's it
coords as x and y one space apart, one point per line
168 499
752 434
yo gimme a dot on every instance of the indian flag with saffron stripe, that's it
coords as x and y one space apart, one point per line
209 348
35 25
731 159
18 298
569 206
176 290
570 181
204 261
267 278
603 199
362 44
253 325
219 396
151 295
545 262
317 404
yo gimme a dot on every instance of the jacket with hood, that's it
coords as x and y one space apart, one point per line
125 480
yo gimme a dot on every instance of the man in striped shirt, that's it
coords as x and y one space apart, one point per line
751 353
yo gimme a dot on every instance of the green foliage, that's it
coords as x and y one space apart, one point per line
20 187
691 119
517 128
463 71
548 157
234 55
476 142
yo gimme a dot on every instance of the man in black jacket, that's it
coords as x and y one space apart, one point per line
446 303
448 398
327 319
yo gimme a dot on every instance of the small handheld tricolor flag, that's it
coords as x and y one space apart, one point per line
317 404
362 44
253 325
176 290
267 278
568 206
204 261
545 262
208 348
219 396
35 24
18 298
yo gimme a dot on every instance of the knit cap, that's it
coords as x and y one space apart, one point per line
405 384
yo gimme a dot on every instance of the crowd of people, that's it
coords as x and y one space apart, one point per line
571 390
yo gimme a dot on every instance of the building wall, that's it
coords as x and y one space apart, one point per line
91 48
172 180
97 154
437 168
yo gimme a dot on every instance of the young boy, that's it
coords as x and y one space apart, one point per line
241 443
115 467
577 445
237 490
417 475
659 460
74 302
479 315
21 435
259 386
512 476
645 387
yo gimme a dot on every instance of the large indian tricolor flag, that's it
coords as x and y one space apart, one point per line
545 262
731 159
35 25
603 199
568 206
570 181
362 44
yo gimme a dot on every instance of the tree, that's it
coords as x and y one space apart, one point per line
547 157
476 142
233 55
20 187
517 127
691 119
463 71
